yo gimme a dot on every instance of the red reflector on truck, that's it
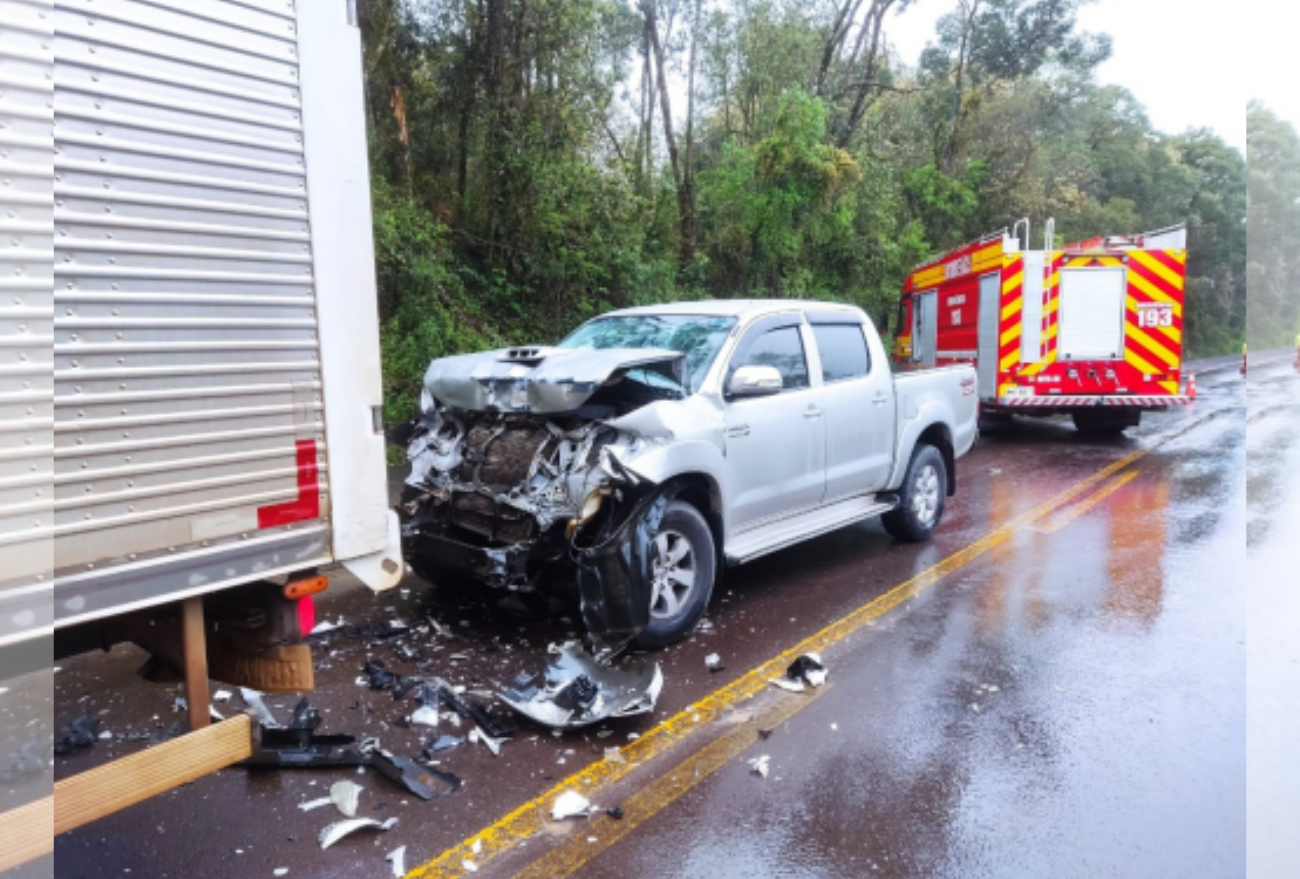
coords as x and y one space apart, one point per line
307 506
306 615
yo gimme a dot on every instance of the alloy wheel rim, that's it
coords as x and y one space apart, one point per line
672 574
925 497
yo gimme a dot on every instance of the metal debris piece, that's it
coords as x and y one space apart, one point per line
713 662
759 765
326 626
577 691
423 781
397 857
81 734
571 804
437 690
402 686
346 795
807 668
443 743
380 678
785 684
493 744
334 832
315 804
262 714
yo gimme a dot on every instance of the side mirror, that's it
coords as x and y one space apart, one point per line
755 381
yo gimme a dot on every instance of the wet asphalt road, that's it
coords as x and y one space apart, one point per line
1068 703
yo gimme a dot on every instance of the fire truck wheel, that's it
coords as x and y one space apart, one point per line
1105 422
921 499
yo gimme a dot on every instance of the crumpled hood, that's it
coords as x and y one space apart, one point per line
540 379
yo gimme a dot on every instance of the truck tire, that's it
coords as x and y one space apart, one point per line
1098 421
921 499
684 564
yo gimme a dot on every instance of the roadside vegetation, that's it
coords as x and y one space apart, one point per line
1273 271
536 162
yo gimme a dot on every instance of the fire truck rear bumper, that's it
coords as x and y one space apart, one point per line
1061 401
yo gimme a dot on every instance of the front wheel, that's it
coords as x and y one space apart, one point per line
921 499
683 562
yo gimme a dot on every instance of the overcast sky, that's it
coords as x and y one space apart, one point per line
1185 60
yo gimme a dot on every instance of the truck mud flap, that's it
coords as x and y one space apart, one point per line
614 577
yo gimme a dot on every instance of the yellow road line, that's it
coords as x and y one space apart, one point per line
529 818
1065 517
574 853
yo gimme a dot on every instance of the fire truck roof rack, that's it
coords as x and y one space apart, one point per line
1168 237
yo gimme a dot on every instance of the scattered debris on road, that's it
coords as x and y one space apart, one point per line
81 734
571 804
346 796
615 812
713 662
397 858
809 669
334 832
759 765
576 690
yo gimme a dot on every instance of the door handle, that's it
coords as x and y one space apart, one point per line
812 412
880 399
738 430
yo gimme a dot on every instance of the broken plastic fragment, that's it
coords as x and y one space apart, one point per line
336 831
758 765
326 626
315 804
494 745
576 691
785 684
405 685
425 715
713 662
807 668
81 734
615 812
262 714
280 871
443 743
571 804
469 865
346 796
397 857
378 675
221 696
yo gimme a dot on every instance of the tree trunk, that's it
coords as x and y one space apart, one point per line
685 193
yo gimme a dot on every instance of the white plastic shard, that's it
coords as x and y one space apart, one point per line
346 795
758 765
262 714
397 858
221 696
786 684
339 829
315 804
326 626
571 804
425 715
494 745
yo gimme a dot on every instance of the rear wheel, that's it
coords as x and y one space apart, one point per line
921 499
682 568
1100 421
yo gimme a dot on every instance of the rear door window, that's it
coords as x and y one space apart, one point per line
843 350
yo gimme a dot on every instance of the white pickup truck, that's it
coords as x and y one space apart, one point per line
655 445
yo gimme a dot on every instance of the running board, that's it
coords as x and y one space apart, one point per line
786 532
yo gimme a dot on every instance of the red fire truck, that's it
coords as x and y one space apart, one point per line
1093 329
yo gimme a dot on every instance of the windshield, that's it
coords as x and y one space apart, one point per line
699 337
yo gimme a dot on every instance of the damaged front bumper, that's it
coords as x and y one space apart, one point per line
512 567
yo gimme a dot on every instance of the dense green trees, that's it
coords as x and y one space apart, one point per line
1274 241
539 161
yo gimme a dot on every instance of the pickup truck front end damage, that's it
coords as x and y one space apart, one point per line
518 480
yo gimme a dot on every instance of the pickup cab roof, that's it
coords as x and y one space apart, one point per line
739 308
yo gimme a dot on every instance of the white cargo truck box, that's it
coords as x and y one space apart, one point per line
190 391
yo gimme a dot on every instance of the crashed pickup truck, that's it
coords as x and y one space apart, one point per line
628 465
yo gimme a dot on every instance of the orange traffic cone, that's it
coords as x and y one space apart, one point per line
1191 385
1243 358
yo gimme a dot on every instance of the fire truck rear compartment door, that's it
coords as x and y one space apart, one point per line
990 309
1092 314
1031 312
